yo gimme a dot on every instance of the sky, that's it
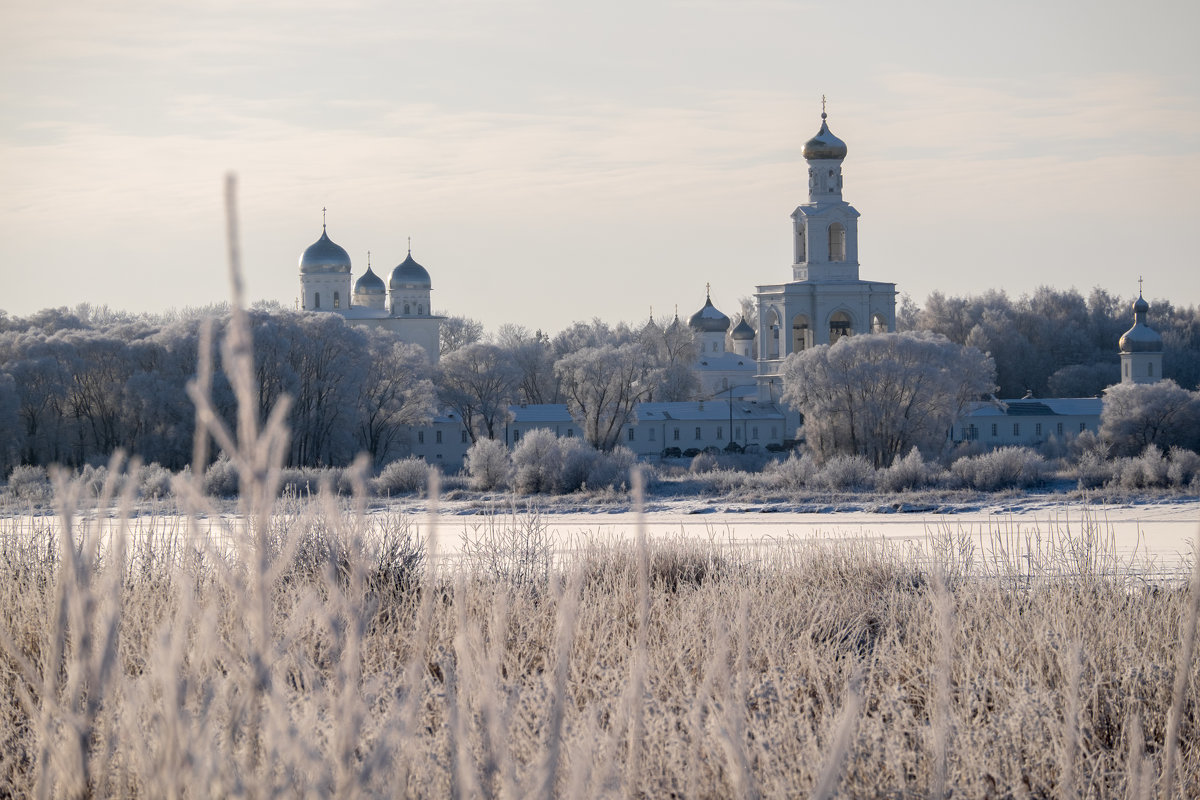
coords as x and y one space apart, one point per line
555 161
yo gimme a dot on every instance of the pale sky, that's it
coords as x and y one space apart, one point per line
558 161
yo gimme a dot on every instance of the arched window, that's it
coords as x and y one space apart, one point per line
801 333
420 310
772 343
801 245
316 300
406 311
879 324
839 326
837 242
337 299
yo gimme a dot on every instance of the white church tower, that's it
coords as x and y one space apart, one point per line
1141 347
324 275
826 299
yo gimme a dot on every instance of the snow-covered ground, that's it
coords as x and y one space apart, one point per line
1155 537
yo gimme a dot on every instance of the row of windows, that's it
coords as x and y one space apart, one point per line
438 437
337 300
837 244
1149 369
971 433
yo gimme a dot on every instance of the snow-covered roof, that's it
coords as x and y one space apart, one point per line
540 412
1039 407
714 410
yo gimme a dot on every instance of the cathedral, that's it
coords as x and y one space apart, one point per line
401 306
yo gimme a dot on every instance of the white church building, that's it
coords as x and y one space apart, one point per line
401 306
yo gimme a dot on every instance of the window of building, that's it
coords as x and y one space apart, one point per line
420 437
1059 429
420 309
1150 370
1126 369
406 311
801 250
971 433
697 431
631 434
317 300
737 432
995 432
837 242
652 434
516 436
465 437
676 437
1037 429
774 432
720 433
754 432
337 299
1082 427
570 433
1016 429
438 437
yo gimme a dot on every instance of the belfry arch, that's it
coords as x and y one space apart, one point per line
802 333
841 324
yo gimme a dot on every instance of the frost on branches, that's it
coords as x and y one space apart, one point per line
879 396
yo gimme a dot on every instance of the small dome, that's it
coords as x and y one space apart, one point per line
824 145
324 256
742 332
1141 338
708 319
369 283
408 274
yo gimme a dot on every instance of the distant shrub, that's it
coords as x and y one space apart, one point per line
611 470
704 462
221 478
844 473
30 484
94 478
1145 471
404 476
1092 470
908 473
537 462
579 460
489 465
154 481
1005 468
1184 467
793 474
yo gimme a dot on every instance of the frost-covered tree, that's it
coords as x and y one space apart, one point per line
479 383
879 396
456 333
397 392
1136 415
533 356
603 384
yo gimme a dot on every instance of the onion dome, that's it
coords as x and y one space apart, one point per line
742 332
824 145
408 274
369 283
1141 338
324 256
708 319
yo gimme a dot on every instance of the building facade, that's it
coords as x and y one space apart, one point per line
402 306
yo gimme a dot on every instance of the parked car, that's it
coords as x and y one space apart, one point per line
734 447
691 452
672 452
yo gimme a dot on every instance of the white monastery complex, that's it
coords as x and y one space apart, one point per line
739 366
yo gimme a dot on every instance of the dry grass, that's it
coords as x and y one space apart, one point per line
303 651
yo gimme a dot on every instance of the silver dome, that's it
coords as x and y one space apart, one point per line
324 256
709 319
369 283
408 274
824 145
742 332
1141 338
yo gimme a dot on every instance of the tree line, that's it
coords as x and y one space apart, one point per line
77 384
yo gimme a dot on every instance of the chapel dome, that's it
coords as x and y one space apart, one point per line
709 319
324 256
1141 338
742 332
824 145
408 274
369 283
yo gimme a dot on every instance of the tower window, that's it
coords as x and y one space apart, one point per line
337 299
837 242
801 246
316 300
